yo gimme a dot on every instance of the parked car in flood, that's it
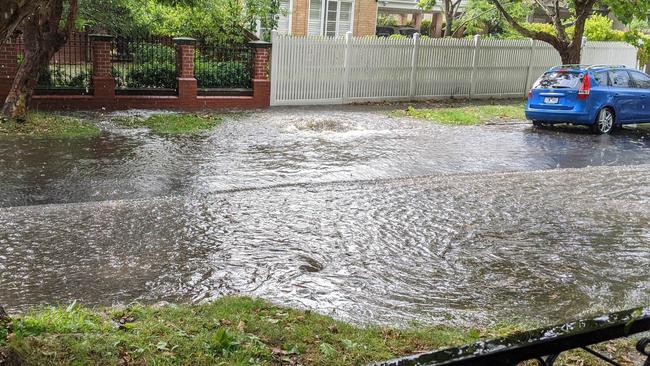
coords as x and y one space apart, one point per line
603 97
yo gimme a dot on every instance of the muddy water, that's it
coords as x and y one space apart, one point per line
367 217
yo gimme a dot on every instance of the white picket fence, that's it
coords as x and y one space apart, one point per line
320 70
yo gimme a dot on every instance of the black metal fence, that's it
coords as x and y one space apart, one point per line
69 70
144 65
220 70
543 345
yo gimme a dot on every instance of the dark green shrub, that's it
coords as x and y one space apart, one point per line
118 75
425 27
152 52
57 78
226 74
152 75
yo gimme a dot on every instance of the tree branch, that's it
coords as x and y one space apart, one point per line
70 20
16 12
548 12
542 36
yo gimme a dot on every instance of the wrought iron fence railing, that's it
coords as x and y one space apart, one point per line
543 345
144 65
223 70
70 69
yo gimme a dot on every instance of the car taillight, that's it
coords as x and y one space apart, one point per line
585 88
530 93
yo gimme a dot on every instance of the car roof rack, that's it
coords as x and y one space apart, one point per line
570 66
607 66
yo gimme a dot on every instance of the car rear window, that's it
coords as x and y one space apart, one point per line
602 78
559 80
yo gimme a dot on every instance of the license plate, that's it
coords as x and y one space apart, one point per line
551 100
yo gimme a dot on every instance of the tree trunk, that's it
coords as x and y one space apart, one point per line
25 81
449 18
42 38
13 14
570 54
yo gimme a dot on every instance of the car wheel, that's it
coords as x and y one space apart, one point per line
539 124
605 122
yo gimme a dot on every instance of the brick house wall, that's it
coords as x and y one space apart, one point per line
364 19
299 17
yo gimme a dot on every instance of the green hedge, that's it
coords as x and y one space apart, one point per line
225 74
152 52
57 78
152 75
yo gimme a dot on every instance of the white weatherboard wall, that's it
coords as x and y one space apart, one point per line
321 70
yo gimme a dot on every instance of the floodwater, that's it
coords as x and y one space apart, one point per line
349 212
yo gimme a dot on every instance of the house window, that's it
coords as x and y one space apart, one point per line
284 18
331 18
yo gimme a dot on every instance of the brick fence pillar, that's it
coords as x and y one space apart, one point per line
261 66
103 80
8 66
187 86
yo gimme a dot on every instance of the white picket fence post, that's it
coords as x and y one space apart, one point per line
414 64
346 67
529 74
275 52
472 85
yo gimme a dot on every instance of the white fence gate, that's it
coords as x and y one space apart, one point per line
318 70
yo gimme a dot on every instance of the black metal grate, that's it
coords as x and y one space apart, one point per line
223 68
144 63
69 70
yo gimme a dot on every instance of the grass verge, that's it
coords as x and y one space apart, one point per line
468 115
172 124
229 331
49 125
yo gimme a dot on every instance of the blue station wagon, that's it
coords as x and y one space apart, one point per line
603 97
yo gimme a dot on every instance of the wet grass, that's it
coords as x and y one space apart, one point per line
49 125
229 331
172 124
468 115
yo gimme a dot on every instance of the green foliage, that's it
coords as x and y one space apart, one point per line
64 76
397 36
172 124
426 5
49 125
108 16
152 75
470 115
386 20
481 17
425 27
627 10
144 52
642 42
232 331
227 74
220 22
599 28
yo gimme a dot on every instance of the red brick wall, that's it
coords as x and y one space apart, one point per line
104 97
261 63
8 66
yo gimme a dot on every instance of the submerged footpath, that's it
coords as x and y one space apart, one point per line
228 331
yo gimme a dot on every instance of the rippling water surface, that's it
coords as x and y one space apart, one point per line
353 213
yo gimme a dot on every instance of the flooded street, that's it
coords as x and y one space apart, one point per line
350 212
